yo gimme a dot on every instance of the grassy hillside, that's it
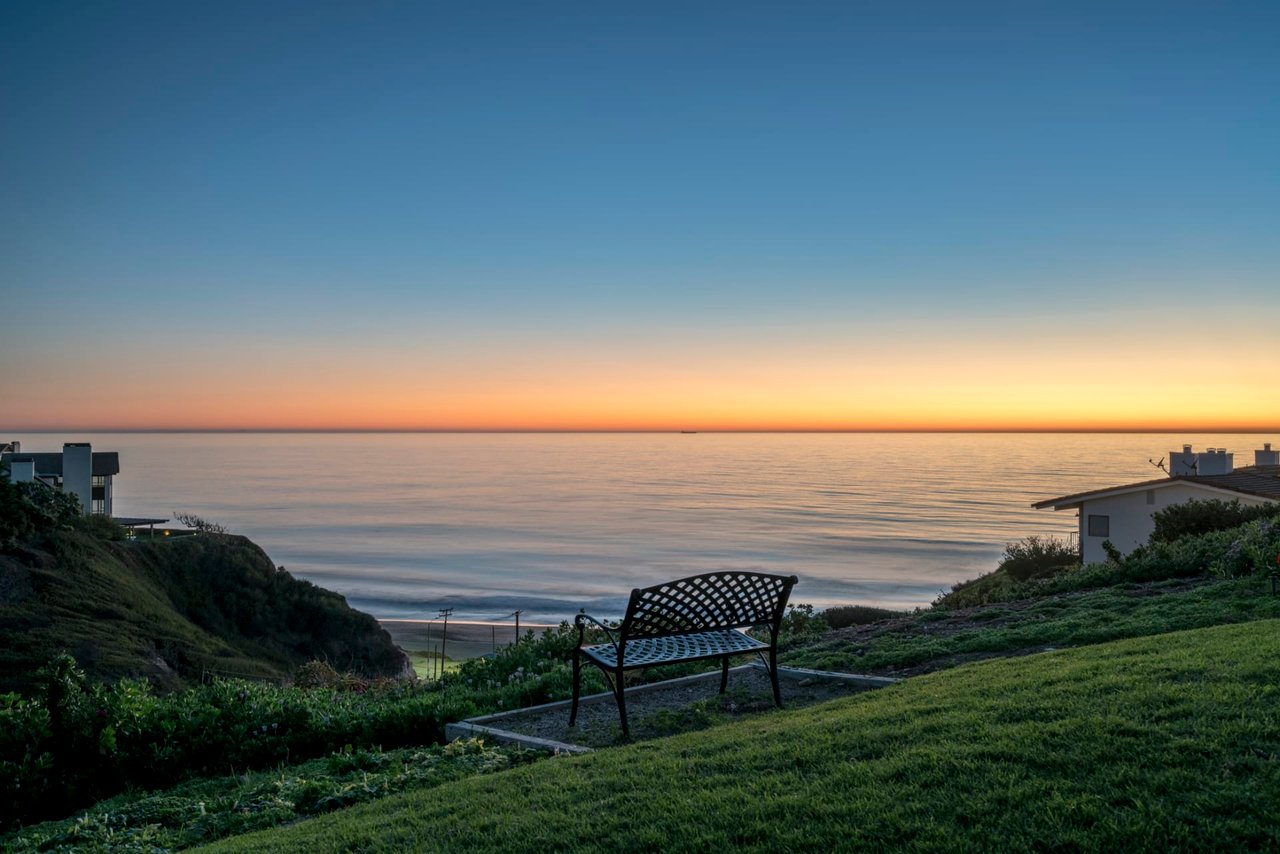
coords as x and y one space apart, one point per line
171 611
1169 742
946 637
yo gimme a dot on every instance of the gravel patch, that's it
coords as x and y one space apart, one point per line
669 708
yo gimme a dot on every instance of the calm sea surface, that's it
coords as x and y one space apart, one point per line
405 524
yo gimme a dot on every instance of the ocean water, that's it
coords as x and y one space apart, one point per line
404 524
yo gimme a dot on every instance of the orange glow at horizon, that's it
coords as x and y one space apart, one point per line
980 379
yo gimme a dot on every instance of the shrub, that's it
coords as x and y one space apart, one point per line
102 527
534 669
77 741
316 674
33 510
843 616
1114 555
800 625
1201 517
1255 547
1035 556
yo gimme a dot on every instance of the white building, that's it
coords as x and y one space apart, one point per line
1124 514
77 470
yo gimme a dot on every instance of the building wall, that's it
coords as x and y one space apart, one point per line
1129 516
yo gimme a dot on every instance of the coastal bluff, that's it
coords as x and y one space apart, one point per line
174 612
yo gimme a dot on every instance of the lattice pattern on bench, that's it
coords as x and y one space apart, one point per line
704 603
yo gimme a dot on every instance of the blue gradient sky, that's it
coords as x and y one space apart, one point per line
843 215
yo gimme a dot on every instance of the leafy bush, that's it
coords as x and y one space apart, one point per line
102 527
533 670
1255 547
33 510
1025 568
843 616
201 811
78 741
1250 548
1114 555
1201 517
1035 556
800 625
316 674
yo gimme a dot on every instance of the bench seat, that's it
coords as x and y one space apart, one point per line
645 652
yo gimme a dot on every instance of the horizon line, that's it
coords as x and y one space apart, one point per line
674 430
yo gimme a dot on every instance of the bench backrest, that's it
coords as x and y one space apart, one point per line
717 600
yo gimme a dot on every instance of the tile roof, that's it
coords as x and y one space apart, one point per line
104 462
1258 481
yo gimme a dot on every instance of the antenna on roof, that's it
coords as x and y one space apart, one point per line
1159 465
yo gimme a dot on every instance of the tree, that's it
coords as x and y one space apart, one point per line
204 526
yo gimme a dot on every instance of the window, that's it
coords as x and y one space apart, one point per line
99 507
1099 526
1151 496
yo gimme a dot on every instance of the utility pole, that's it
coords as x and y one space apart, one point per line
444 634
516 613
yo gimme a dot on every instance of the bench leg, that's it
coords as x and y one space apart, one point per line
622 703
577 688
724 673
773 675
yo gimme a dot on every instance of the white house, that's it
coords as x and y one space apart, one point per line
1124 514
77 470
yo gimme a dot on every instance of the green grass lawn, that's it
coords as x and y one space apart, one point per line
426 665
1161 743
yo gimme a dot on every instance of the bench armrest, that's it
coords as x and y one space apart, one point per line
581 621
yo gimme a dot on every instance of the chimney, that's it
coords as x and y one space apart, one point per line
1266 457
1184 463
1215 461
77 473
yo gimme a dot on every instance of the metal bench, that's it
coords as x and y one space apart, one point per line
691 619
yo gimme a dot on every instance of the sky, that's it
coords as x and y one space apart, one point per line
652 216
